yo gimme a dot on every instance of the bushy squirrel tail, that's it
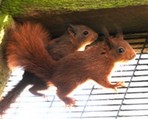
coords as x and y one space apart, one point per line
25 47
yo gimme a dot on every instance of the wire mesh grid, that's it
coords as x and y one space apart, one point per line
93 101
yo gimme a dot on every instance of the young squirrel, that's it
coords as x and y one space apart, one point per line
75 37
66 74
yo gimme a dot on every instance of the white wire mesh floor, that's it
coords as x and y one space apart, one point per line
93 101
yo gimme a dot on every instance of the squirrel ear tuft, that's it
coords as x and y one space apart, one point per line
107 37
105 32
108 41
119 36
119 32
71 30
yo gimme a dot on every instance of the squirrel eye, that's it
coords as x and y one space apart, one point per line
121 50
85 32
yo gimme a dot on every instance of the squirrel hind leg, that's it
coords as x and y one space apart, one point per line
69 102
64 91
38 87
37 83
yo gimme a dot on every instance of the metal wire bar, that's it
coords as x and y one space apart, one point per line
86 102
118 115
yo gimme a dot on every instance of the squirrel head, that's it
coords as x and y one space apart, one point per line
119 48
81 35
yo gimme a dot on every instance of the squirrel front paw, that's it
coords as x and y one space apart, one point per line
118 84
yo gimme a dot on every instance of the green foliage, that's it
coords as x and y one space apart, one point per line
16 7
5 20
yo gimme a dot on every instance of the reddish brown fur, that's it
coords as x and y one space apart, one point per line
95 63
66 74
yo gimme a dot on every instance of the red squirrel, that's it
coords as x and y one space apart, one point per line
66 74
75 37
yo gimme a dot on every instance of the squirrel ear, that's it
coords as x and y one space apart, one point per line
108 41
107 37
119 32
105 32
119 35
71 30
